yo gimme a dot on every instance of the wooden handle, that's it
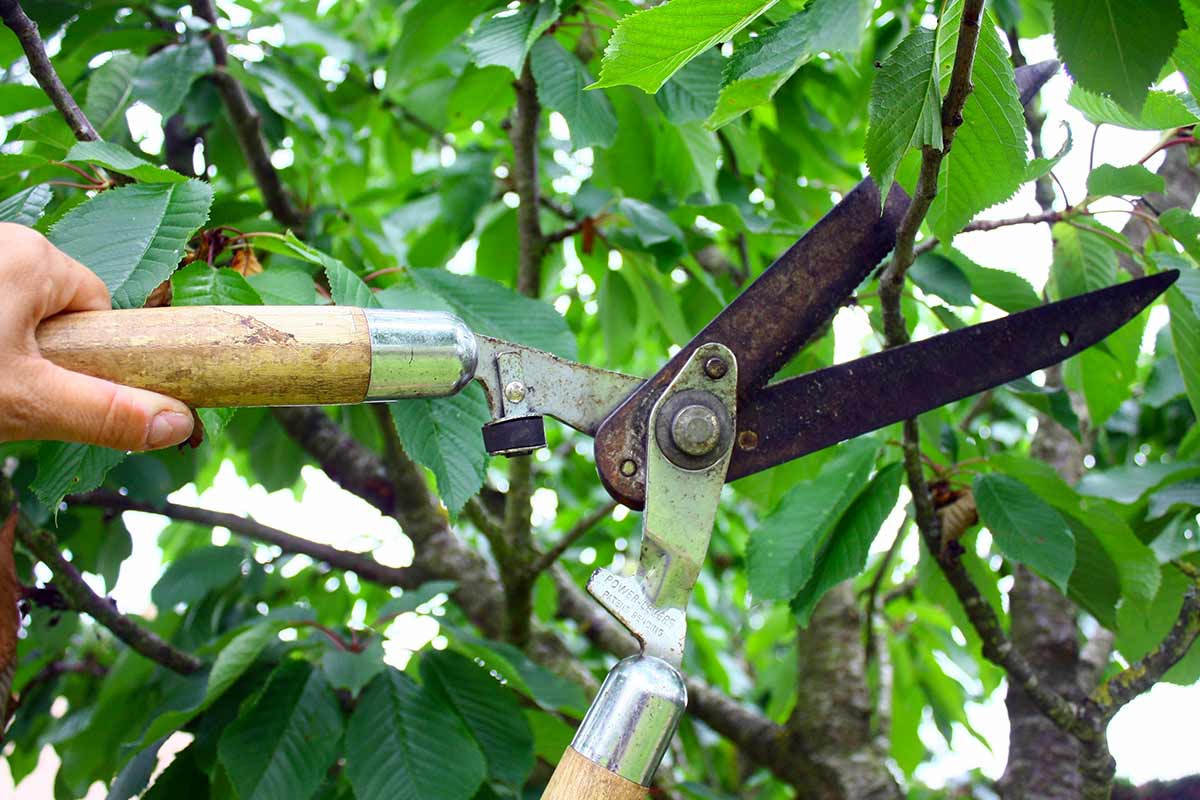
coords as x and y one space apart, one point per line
219 356
577 778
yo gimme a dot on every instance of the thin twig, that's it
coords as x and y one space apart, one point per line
578 530
1164 145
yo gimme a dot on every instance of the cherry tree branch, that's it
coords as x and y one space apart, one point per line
67 579
361 564
578 530
39 65
247 126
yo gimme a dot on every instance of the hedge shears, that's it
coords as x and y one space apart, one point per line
664 445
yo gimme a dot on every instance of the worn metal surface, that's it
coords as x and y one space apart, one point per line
798 416
1032 77
418 354
789 303
681 505
630 723
574 394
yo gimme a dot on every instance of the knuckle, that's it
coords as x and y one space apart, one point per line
124 424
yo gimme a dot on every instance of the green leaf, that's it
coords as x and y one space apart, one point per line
196 573
691 94
759 68
231 663
1117 181
1133 561
67 468
1141 632
27 206
651 225
1187 52
1004 290
444 435
428 27
1185 335
846 554
1114 47
939 276
109 94
647 47
133 236
405 743
17 97
1025 528
281 747
201 285
1185 228
490 711
505 39
117 158
412 599
284 285
1161 111
1083 262
352 671
162 81
987 163
134 776
561 78
783 550
906 105
495 310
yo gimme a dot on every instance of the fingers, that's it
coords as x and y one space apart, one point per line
63 405
39 281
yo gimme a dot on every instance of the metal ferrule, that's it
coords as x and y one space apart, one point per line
418 354
631 721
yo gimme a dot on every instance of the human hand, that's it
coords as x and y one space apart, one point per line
40 400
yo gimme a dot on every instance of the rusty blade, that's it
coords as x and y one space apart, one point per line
795 417
784 308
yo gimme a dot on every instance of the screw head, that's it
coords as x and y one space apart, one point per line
628 468
747 440
715 368
514 392
696 430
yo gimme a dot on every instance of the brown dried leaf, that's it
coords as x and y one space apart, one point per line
161 296
245 262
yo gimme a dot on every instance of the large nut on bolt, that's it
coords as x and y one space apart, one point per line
695 430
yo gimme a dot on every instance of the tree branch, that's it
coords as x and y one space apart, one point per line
82 599
523 131
247 126
578 530
1127 684
361 564
39 65
891 284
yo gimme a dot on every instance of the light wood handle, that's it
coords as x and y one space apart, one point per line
219 356
577 778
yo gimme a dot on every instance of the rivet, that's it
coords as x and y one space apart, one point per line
715 368
747 440
514 392
628 468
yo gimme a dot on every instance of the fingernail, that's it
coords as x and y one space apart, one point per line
167 428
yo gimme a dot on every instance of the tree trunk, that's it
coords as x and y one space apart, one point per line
833 707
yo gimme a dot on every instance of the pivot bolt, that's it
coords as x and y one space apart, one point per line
696 430
628 468
514 392
715 368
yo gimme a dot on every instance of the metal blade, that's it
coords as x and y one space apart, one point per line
786 306
1032 77
795 417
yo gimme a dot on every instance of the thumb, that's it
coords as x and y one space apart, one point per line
79 408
